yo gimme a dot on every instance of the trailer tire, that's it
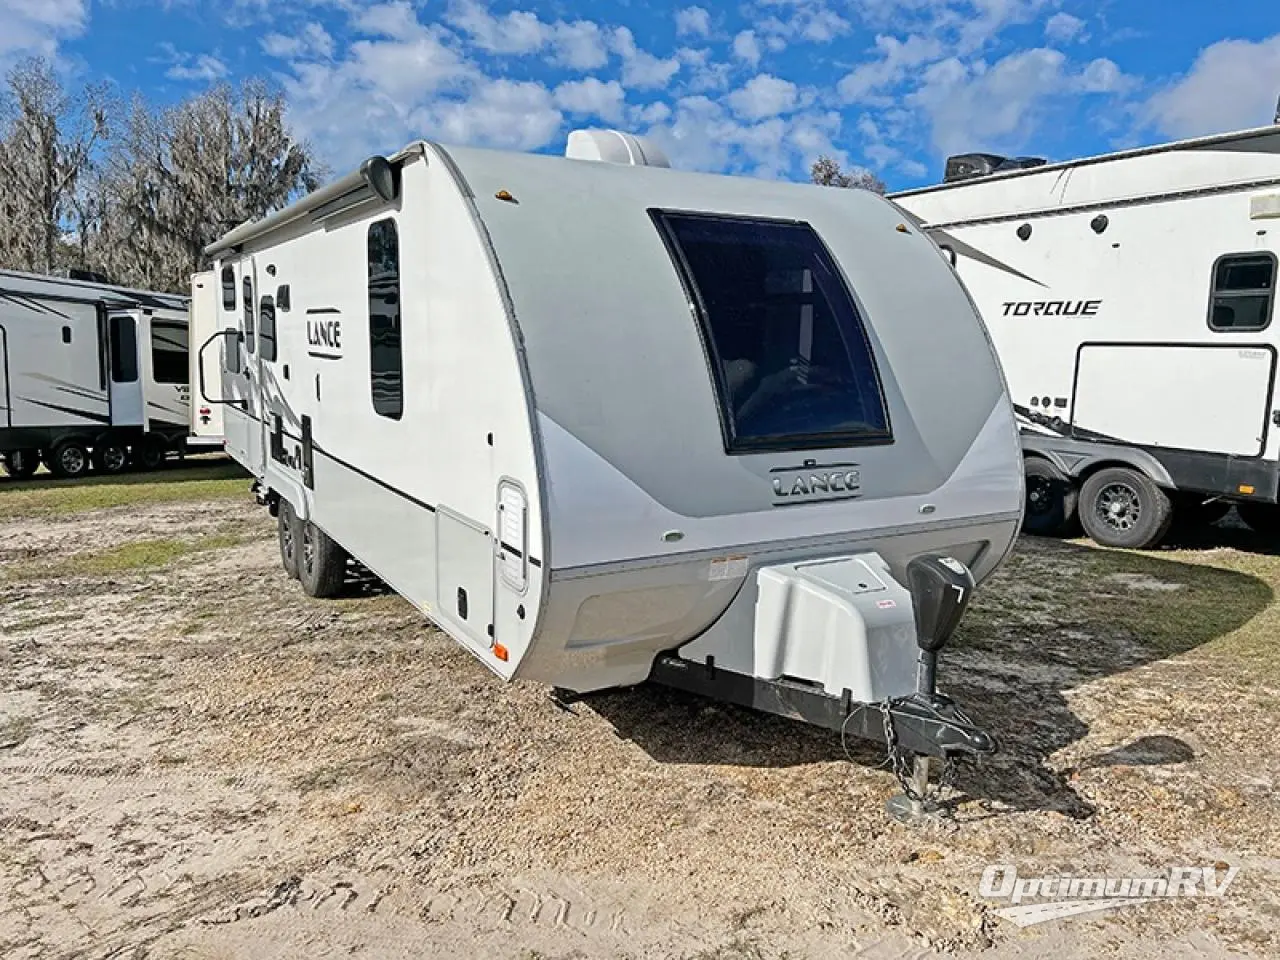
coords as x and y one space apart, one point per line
21 464
289 532
148 454
1052 498
1122 507
110 456
1263 518
69 459
322 564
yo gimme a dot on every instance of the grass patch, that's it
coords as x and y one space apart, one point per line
46 497
126 558
35 623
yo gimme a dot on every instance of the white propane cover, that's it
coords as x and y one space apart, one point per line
614 146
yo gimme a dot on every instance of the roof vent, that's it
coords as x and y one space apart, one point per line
614 146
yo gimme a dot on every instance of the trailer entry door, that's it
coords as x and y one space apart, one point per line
126 388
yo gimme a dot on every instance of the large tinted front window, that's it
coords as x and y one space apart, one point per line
790 357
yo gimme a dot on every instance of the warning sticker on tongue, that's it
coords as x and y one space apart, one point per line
727 568
886 604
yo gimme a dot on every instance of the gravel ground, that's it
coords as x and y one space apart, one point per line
197 761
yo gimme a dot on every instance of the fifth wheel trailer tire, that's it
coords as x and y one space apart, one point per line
110 456
290 535
1052 498
21 464
69 458
148 454
1122 507
322 564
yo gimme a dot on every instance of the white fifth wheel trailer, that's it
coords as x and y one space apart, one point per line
1130 298
91 375
606 423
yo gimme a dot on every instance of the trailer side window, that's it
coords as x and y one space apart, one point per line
386 360
267 329
228 287
1243 291
169 352
124 349
249 339
790 358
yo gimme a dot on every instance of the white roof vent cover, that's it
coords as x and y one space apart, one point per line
614 146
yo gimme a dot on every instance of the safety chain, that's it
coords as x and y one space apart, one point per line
901 761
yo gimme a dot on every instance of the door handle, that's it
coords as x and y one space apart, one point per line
1275 417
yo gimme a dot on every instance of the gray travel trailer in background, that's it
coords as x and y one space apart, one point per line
92 376
606 423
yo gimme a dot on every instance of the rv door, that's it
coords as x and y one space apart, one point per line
239 416
123 357
166 389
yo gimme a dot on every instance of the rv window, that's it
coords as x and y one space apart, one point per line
791 361
386 362
228 287
282 298
66 334
169 352
124 349
249 341
267 329
1243 291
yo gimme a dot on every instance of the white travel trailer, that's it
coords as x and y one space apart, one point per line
606 423
92 375
205 415
1130 298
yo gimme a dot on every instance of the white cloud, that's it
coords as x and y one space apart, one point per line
1064 28
36 26
809 20
592 97
501 113
764 95
693 21
517 32
641 70
1231 86
312 42
203 68
705 72
747 48
579 45
897 58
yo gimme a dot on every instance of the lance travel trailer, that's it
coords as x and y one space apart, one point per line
1130 298
92 375
605 422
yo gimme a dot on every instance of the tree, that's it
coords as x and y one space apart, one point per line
826 172
183 177
48 142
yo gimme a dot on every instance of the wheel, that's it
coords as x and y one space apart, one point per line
1051 499
1121 507
148 455
70 458
110 456
1262 518
21 464
288 532
322 564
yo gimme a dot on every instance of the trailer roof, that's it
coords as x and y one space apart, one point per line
1195 143
35 285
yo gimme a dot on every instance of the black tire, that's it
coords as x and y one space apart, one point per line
21 464
1121 507
148 454
289 533
322 564
1263 518
1051 499
69 458
110 456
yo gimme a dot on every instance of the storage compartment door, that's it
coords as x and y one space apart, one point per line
464 575
1214 399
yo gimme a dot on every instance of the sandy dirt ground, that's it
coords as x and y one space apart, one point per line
196 761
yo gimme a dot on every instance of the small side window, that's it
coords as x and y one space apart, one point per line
250 342
267 329
1243 292
228 287
169 352
386 361
66 334
282 298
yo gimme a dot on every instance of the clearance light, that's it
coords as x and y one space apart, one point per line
1246 489
500 652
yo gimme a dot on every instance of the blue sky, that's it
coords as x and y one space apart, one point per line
757 87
